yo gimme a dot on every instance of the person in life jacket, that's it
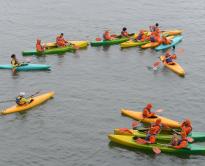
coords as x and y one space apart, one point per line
141 36
21 100
152 37
124 32
154 28
153 131
14 62
165 41
186 126
107 36
147 111
169 57
182 142
60 41
39 47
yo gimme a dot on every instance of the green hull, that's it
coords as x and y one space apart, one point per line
59 50
197 136
108 42
130 142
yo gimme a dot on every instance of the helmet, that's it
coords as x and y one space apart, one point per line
62 34
157 24
22 94
149 106
124 28
13 56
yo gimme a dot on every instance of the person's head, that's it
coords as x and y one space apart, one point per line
158 121
38 41
61 35
156 24
13 56
124 28
149 106
22 94
187 122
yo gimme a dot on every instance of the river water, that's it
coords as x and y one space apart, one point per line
92 85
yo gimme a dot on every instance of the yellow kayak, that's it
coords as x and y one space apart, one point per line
36 101
80 44
175 68
172 32
151 45
139 116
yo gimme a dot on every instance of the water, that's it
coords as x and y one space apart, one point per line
93 84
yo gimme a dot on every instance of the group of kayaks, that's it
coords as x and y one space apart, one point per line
126 137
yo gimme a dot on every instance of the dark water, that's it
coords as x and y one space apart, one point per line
93 84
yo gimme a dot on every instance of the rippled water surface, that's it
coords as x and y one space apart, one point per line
93 84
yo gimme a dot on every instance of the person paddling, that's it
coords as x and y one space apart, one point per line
107 36
186 126
169 57
14 62
39 47
60 41
141 36
21 100
147 112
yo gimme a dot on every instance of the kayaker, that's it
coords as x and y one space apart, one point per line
182 142
141 36
147 112
154 27
21 100
152 38
174 140
107 36
39 47
124 32
153 131
186 126
169 57
60 41
165 41
14 62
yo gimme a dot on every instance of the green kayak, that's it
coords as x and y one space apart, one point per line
130 142
197 136
108 42
58 50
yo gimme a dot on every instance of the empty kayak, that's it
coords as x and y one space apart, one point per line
109 42
80 44
59 50
172 32
139 116
36 101
26 67
132 43
127 140
175 68
175 40
163 136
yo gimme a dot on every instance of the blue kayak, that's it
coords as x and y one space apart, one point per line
26 67
175 40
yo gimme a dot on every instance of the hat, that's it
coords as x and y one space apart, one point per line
22 93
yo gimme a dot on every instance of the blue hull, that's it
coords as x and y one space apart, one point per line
26 67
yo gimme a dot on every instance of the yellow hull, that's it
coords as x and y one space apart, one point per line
175 68
150 45
37 100
139 116
80 44
172 32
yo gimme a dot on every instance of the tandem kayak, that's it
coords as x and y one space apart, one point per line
36 101
80 44
163 136
175 68
175 40
109 42
59 50
132 43
26 67
139 116
172 32
128 141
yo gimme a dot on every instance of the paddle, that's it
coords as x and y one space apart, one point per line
11 100
125 130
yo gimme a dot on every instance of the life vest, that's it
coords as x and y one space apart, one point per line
187 129
60 41
19 101
14 62
145 110
181 140
151 138
106 36
155 129
39 48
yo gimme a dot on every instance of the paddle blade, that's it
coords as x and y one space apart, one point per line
125 130
156 150
98 39
189 139
156 65
140 141
159 110
135 124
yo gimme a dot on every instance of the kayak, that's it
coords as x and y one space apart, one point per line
154 44
127 140
26 67
58 50
132 43
172 32
109 42
175 40
175 68
36 101
197 136
139 116
80 44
